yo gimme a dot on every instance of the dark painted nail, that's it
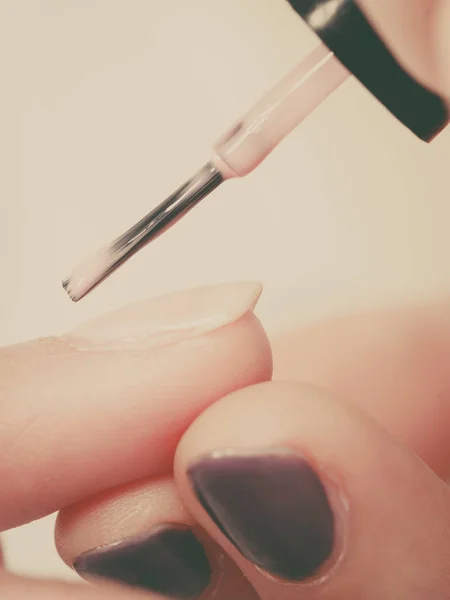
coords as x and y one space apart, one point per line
169 561
272 507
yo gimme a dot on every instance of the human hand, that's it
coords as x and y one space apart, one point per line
418 32
104 408
90 423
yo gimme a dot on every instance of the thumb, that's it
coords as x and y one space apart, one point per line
317 502
443 43
418 32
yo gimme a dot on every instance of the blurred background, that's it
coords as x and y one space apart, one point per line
108 105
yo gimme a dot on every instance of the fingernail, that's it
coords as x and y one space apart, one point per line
169 319
170 561
272 507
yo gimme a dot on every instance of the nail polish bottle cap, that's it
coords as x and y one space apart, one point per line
343 27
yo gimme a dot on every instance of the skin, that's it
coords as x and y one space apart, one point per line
391 369
418 32
102 501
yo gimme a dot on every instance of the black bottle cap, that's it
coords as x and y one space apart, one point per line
346 31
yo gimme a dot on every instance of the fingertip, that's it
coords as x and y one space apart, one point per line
142 535
443 45
314 496
144 399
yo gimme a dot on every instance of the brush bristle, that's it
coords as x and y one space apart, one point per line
98 267
88 274
66 285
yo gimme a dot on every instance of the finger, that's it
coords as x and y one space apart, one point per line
107 404
317 501
15 588
418 31
393 365
141 535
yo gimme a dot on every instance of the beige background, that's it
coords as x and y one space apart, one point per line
107 105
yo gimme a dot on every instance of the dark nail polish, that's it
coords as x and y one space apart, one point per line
169 561
272 507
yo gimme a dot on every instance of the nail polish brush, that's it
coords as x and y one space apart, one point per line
350 47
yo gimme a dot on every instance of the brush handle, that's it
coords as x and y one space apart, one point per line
278 113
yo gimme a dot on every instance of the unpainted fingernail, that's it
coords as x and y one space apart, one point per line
169 561
169 319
